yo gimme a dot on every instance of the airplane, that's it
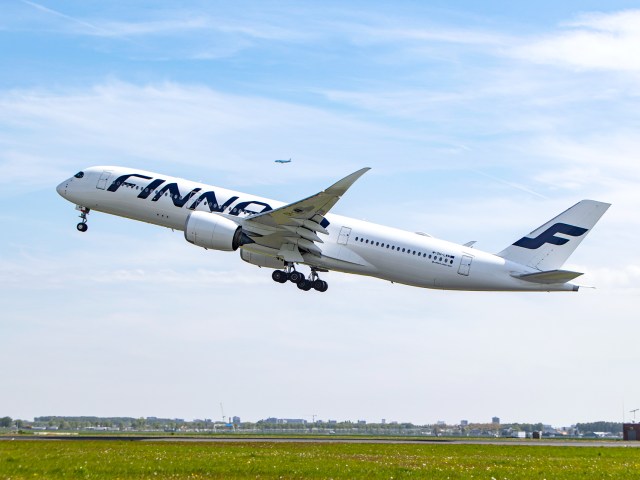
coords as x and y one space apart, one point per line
283 161
280 236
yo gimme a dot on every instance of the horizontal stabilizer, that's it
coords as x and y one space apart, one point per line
549 277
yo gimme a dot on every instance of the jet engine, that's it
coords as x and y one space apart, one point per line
210 230
260 259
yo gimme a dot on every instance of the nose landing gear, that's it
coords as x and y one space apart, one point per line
82 226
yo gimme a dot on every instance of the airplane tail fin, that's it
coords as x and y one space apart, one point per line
549 246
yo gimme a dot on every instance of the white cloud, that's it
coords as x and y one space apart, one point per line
378 30
621 277
598 41
170 124
598 160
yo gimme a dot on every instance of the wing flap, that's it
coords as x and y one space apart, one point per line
290 253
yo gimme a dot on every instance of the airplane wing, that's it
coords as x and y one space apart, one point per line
295 227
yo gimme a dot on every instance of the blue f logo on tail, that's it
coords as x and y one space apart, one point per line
549 236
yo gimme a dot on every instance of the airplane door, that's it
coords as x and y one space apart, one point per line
343 237
465 265
102 181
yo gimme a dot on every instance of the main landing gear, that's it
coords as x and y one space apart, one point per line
82 226
306 284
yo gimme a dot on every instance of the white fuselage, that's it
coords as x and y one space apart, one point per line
351 246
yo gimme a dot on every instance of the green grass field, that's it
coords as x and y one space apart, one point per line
158 460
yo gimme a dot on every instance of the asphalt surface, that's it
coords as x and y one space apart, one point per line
407 441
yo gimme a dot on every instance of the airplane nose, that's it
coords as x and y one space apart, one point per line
62 188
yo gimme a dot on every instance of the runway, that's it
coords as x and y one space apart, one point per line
328 440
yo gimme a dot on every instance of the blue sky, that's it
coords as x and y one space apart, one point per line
480 122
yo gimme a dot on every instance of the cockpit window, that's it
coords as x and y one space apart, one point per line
79 175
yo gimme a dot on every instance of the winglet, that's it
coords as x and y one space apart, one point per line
308 212
341 186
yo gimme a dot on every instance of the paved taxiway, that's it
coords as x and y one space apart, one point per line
407 441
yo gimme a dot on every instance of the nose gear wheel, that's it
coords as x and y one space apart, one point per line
82 226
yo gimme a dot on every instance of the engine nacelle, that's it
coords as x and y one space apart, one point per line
210 230
261 260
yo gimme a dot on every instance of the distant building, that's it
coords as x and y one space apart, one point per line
548 429
464 423
281 421
441 423
236 420
384 420
362 422
631 431
495 420
296 421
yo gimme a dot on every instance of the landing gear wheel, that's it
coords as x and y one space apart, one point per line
320 285
296 277
279 276
305 285
84 211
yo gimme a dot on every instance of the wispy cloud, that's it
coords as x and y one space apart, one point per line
86 27
517 186
600 41
171 124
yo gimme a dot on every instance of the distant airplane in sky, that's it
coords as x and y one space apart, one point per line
283 161
282 236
